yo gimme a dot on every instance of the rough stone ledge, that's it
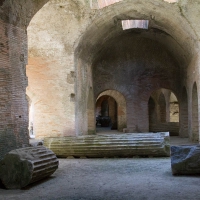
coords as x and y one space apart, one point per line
185 159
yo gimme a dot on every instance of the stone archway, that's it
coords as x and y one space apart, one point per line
162 111
106 112
173 108
121 107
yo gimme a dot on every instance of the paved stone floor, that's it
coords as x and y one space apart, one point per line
112 179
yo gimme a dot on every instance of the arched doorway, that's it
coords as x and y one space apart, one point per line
106 112
111 103
173 108
31 118
164 112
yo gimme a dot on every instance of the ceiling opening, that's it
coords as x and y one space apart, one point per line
129 24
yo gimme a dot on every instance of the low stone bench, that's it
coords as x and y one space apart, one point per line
185 159
21 167
111 145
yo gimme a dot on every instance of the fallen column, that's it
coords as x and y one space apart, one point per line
185 159
111 145
21 167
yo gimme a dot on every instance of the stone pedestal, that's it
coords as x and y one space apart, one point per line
111 145
27 165
185 159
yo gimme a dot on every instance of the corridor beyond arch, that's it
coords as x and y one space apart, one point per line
164 112
121 107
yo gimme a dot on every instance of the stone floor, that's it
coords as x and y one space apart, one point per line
112 179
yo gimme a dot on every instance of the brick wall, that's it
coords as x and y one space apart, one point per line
136 75
13 82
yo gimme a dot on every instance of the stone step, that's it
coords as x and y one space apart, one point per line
112 145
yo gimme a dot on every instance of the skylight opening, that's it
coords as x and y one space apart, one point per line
171 1
129 24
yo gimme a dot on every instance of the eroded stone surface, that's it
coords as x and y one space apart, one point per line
111 145
185 159
27 165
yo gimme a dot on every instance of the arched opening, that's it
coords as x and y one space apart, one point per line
195 114
51 71
106 113
31 118
174 108
162 110
111 106
105 108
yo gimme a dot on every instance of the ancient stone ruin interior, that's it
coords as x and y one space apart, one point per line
89 77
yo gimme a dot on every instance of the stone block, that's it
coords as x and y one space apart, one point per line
185 159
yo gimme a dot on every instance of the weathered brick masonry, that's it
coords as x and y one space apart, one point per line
136 75
13 82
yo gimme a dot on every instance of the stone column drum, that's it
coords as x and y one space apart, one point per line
111 145
23 166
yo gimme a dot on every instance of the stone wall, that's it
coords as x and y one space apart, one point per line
136 75
51 69
90 30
